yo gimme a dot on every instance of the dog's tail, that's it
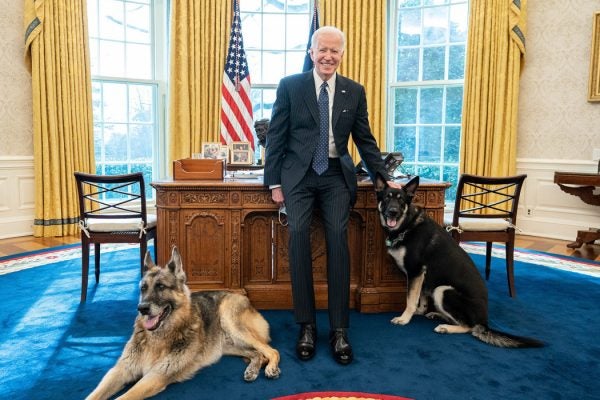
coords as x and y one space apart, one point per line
502 339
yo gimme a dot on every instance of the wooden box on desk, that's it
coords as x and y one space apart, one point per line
192 169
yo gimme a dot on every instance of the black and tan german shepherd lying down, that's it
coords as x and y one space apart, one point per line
176 333
443 281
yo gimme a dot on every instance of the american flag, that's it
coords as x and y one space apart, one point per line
236 107
314 25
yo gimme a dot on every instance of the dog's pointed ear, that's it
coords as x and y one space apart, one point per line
148 262
411 186
175 264
380 183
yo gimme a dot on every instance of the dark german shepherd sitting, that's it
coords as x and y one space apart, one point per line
176 333
441 276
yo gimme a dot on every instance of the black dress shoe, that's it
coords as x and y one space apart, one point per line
340 346
305 347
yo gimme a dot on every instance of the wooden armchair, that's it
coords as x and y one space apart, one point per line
112 210
485 210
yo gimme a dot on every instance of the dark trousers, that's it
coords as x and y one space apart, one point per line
330 194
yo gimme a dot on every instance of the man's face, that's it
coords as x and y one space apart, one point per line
327 54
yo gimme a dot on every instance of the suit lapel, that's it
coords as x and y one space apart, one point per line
339 100
310 96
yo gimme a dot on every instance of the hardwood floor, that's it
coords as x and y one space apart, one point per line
18 245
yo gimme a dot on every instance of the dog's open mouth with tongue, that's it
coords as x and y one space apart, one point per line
152 321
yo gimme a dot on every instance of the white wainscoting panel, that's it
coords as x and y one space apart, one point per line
544 209
17 196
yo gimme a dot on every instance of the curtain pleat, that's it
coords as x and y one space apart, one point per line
365 25
63 138
495 51
199 40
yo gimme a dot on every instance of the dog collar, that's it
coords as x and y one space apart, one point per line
398 239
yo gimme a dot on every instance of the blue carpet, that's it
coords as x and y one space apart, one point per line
51 347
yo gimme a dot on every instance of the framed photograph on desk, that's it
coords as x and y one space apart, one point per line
236 146
241 157
211 150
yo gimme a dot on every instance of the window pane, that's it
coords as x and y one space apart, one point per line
273 31
405 141
139 61
114 102
405 106
408 3
251 31
254 66
430 144
435 22
456 62
429 172
115 142
138 23
115 52
431 106
297 32
250 6
268 100
452 144
141 99
450 174
454 105
434 63
111 19
459 15
274 6
140 141
294 62
408 65
297 6
274 67
409 28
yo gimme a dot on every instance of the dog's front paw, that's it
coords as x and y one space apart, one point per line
272 372
251 373
442 328
401 320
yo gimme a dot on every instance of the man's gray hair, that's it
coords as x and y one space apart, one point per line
327 29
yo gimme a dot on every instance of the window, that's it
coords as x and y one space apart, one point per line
427 54
128 62
275 37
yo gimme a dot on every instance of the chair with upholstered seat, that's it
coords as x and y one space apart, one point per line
112 210
485 210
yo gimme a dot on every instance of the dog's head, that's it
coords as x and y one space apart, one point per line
162 291
393 203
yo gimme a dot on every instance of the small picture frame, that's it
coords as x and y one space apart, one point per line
211 150
241 157
240 146
224 152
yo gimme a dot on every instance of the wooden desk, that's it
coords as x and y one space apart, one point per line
230 237
582 185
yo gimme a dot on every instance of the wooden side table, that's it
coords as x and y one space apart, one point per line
584 186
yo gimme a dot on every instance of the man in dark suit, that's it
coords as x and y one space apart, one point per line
306 164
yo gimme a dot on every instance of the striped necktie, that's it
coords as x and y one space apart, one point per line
321 156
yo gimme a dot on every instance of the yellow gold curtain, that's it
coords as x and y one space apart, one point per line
496 47
56 49
364 23
199 38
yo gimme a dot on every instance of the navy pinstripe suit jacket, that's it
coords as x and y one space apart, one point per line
294 131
